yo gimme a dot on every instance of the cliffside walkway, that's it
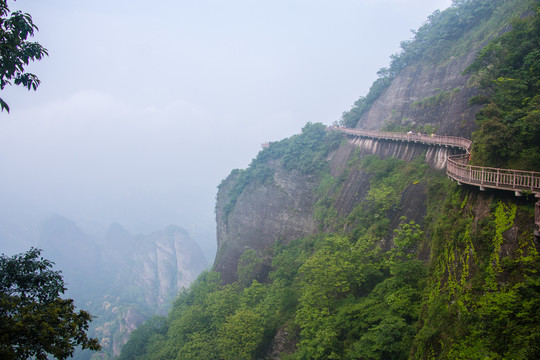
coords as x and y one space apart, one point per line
438 140
458 168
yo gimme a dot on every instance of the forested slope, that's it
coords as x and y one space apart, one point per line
398 261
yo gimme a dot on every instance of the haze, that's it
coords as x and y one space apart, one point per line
145 107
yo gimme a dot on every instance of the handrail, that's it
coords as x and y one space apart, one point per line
432 139
457 166
505 179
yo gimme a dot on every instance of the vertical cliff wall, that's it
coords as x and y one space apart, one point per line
163 263
281 209
427 94
121 279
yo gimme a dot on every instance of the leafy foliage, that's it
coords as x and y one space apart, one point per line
248 266
16 51
479 300
154 327
34 319
508 71
240 335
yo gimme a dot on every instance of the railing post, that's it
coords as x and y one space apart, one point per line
482 176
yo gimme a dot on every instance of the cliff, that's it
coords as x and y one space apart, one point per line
145 274
121 279
424 94
164 263
264 213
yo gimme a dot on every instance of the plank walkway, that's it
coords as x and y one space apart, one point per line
458 168
439 140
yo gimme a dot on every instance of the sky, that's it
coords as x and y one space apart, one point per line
144 107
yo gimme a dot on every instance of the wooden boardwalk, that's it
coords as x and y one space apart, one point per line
438 140
458 168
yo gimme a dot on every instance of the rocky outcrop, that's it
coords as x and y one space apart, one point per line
422 94
427 94
128 320
165 262
147 271
121 279
263 214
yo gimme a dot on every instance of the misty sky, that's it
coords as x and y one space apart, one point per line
146 106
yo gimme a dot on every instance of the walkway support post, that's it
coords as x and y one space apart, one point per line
537 218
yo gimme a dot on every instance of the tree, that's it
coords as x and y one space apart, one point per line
139 339
16 51
240 335
34 319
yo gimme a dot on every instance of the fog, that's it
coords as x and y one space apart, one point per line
145 107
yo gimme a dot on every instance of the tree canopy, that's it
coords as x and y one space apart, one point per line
34 319
508 72
16 51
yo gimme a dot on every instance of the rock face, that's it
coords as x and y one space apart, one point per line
427 94
121 279
165 262
146 273
263 214
283 210
129 320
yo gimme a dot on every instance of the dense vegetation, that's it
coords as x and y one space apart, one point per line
316 289
364 293
508 70
483 296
